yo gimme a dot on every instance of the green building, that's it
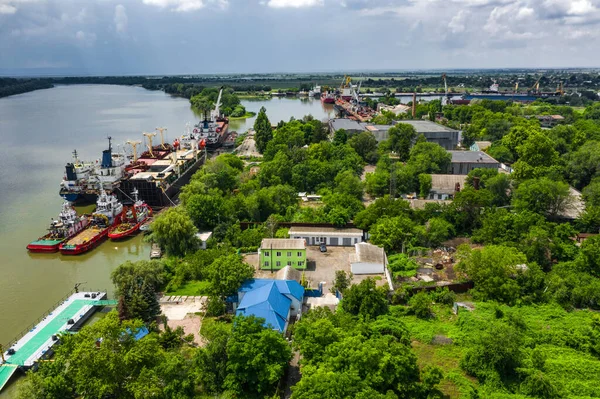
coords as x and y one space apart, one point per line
277 253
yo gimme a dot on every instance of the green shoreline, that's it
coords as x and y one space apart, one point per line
247 115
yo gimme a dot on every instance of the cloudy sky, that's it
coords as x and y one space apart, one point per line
225 36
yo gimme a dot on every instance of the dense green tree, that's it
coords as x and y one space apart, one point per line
437 231
429 158
402 136
175 232
544 196
263 131
424 185
591 193
380 208
346 182
257 358
227 273
365 145
420 305
492 269
589 257
136 287
205 210
393 233
584 164
365 299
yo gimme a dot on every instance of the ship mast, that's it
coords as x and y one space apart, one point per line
134 144
149 136
75 157
217 111
162 138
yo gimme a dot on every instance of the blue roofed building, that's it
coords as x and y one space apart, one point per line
276 301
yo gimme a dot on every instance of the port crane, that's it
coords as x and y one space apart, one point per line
162 138
150 136
445 98
346 82
536 86
134 145
216 113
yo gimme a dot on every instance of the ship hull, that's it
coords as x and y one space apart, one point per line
327 100
80 198
44 246
84 247
115 235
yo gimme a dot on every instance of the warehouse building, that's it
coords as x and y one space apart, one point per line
368 259
327 235
465 161
433 132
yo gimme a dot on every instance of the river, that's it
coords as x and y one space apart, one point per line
40 129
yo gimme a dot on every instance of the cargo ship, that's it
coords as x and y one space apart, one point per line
66 226
159 175
213 129
133 217
327 98
81 180
494 93
108 213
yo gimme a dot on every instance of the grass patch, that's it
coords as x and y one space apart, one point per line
248 114
191 288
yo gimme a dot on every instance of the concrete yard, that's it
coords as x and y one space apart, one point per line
181 312
321 266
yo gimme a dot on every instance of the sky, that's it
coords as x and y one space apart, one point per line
127 37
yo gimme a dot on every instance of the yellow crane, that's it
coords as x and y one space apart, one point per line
162 138
150 136
346 82
536 86
560 90
134 145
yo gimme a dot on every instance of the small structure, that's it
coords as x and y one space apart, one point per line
481 145
334 236
465 161
443 187
275 301
204 237
276 253
395 109
469 306
367 259
549 121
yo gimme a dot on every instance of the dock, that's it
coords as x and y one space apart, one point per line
68 316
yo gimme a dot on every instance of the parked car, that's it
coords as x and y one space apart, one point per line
323 248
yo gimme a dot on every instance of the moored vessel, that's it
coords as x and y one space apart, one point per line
213 129
328 98
132 219
108 213
66 226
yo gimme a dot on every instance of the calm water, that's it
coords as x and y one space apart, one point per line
39 131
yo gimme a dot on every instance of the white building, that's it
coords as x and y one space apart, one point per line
368 259
327 235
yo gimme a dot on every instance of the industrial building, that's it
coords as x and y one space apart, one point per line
327 235
433 132
465 161
368 259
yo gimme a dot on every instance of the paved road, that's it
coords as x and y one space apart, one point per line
248 147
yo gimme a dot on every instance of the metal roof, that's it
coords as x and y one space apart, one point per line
472 157
270 300
346 124
325 231
447 183
422 126
282 243
367 253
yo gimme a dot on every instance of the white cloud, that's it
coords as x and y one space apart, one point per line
457 23
85 39
7 9
120 19
581 7
177 5
294 3
525 12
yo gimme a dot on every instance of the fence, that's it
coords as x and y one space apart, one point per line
458 288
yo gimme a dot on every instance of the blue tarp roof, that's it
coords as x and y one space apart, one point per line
290 287
267 299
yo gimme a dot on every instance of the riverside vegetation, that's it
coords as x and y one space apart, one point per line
533 332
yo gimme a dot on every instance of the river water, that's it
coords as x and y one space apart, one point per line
39 130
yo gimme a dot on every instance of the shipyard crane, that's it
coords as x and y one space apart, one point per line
346 81
216 113
134 145
149 136
162 138
536 86
560 90
445 98
356 92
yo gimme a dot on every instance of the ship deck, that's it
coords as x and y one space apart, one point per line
36 343
48 242
84 236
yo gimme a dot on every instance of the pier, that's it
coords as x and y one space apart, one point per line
68 316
